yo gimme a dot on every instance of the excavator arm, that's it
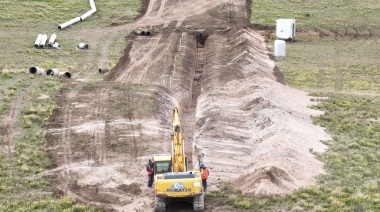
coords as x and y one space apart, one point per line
178 154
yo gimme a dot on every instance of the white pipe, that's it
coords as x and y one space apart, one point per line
68 23
92 4
36 70
65 74
52 72
87 14
43 41
52 39
81 18
38 41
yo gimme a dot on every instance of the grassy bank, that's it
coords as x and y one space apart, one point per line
319 15
336 54
23 144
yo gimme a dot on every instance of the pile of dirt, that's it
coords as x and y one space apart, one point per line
253 130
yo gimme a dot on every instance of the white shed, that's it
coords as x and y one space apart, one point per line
286 29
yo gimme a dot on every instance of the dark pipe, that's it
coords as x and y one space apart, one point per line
67 75
103 70
49 72
33 70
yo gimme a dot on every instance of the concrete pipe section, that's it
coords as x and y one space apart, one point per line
82 46
52 72
142 32
103 70
43 41
65 75
56 73
38 41
51 40
36 70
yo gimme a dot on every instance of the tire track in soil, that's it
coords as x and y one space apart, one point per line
9 134
7 125
129 116
162 7
97 134
150 7
156 59
65 137
126 76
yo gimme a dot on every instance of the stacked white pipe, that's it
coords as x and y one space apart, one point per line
43 41
81 18
51 40
38 41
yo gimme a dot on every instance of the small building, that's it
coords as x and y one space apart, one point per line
286 29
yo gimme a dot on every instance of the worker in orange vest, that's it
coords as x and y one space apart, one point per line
149 169
204 174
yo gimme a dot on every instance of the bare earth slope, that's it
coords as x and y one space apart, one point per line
251 130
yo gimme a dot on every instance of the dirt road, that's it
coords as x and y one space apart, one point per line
251 130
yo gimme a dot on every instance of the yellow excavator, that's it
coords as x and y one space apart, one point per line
173 182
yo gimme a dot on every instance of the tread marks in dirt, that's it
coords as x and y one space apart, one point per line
150 7
127 75
65 137
98 135
129 116
162 6
7 128
139 71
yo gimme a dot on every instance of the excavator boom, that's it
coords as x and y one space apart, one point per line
178 154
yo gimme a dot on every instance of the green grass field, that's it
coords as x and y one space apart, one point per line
347 60
22 21
23 156
344 65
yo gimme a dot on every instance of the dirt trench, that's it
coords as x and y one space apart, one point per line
250 130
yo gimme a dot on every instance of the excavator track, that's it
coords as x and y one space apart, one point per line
159 204
199 203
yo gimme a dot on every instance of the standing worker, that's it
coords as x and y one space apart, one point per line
149 169
204 173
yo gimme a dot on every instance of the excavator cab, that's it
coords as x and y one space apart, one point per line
161 167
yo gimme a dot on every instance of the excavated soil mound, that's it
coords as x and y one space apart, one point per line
251 129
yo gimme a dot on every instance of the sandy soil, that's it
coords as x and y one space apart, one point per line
250 129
